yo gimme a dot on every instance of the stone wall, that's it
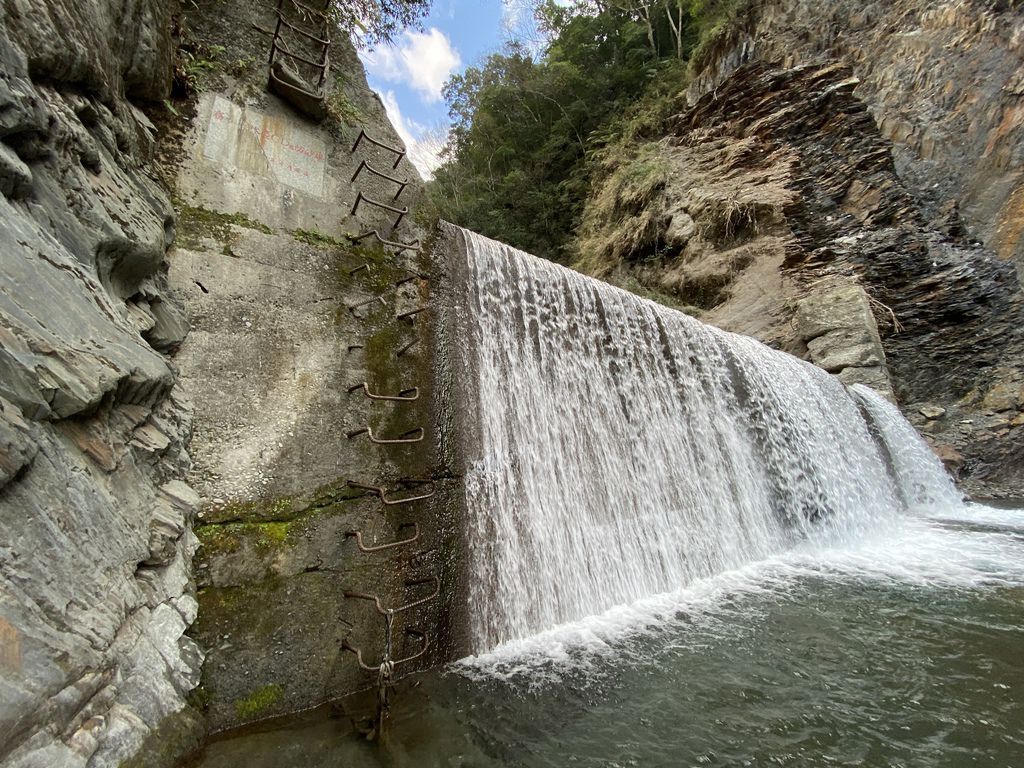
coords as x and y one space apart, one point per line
288 315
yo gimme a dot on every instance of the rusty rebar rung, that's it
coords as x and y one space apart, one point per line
365 164
360 196
402 608
402 439
407 347
382 493
358 535
422 636
411 313
413 246
353 307
364 135
279 46
405 396
305 33
360 268
304 7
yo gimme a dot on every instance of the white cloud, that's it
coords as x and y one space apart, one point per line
422 144
421 60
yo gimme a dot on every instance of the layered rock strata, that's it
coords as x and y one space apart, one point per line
95 558
782 192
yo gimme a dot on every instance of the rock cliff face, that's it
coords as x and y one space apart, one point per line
835 187
95 558
944 82
174 423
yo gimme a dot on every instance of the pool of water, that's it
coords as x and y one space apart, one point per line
905 650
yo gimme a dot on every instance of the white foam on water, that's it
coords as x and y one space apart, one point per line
913 551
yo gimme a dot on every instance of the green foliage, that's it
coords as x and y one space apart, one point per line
194 64
533 136
377 21
342 109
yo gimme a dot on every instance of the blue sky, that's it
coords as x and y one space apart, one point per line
409 74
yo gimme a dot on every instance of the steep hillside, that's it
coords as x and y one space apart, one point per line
839 181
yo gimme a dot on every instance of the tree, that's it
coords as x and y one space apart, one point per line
528 124
377 21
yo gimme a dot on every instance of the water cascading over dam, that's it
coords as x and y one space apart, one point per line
618 449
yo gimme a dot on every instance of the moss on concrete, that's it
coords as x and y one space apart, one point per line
218 540
196 223
318 239
280 509
259 701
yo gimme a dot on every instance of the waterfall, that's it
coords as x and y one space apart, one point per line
619 449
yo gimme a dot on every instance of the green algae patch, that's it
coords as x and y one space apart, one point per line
280 509
271 535
218 540
195 223
318 239
259 701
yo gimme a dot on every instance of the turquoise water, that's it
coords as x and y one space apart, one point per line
906 650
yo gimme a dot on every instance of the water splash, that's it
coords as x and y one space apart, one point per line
626 450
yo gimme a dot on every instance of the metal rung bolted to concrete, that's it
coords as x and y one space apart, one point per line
407 347
402 608
364 135
358 535
403 439
353 307
402 184
382 492
360 197
405 396
413 246
425 644
410 314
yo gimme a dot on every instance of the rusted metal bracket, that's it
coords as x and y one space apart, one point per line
403 439
410 314
278 47
360 197
364 135
413 246
407 347
402 608
358 535
353 307
405 396
382 492
424 645
402 184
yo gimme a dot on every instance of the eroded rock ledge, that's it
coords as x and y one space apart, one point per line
95 562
